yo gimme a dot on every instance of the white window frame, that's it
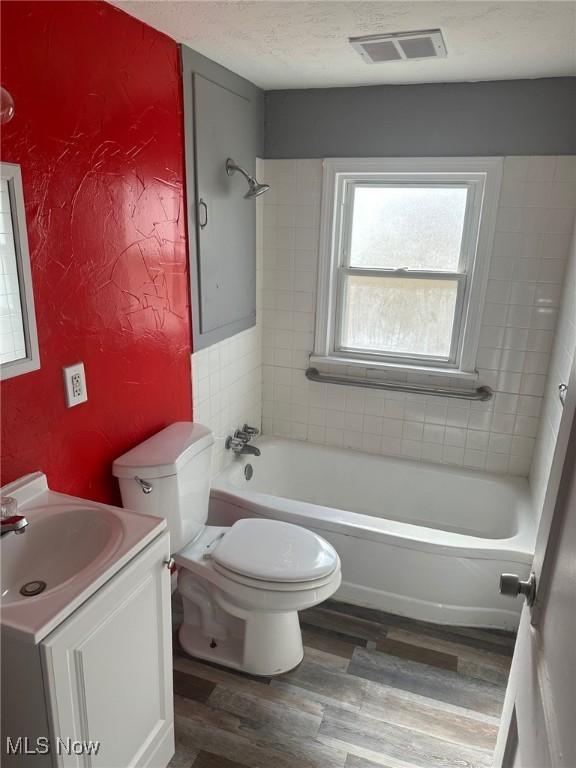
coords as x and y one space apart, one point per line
11 173
482 176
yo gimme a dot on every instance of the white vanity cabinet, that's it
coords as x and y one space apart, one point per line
108 669
106 674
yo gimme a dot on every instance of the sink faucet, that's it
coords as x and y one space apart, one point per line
239 443
10 520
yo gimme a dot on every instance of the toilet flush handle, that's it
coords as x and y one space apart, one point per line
146 487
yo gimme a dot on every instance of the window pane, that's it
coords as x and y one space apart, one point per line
412 227
399 315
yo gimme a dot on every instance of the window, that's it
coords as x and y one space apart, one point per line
404 262
18 339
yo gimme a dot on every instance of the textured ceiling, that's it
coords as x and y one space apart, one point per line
302 44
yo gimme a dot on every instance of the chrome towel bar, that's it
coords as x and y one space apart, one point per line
480 393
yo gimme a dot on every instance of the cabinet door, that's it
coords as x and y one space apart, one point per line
223 117
108 670
226 232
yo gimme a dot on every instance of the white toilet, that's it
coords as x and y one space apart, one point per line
242 587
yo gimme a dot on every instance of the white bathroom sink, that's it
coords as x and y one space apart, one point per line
58 545
69 549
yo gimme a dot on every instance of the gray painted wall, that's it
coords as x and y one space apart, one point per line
509 117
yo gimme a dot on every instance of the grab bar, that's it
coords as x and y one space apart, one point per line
480 393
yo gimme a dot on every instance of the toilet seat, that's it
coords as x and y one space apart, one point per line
274 552
276 586
200 556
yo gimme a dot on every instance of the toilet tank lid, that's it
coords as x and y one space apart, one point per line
165 453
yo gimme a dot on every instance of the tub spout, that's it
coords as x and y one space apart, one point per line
251 449
240 447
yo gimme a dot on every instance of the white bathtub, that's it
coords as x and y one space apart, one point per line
419 540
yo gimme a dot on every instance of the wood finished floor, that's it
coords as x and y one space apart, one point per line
374 691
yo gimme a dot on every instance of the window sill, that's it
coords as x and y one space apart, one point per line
413 371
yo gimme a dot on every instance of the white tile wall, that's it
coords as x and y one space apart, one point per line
227 377
530 252
227 388
559 372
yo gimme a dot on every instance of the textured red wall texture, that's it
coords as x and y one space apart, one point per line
98 134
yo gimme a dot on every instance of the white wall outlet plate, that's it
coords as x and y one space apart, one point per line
75 384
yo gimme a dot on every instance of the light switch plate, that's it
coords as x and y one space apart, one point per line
75 384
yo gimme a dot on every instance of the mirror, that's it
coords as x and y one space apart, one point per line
18 338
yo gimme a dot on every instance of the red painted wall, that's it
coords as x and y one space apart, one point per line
98 133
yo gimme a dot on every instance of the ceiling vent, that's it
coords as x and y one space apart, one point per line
400 46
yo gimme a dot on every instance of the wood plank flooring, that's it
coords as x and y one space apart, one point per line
373 691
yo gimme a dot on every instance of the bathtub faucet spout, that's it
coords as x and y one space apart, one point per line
240 447
239 443
250 449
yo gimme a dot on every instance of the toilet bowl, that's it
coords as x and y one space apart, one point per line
242 586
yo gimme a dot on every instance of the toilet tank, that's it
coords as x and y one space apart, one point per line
168 475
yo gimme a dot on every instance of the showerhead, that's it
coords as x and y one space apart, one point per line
254 187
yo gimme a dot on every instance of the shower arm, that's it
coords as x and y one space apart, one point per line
231 167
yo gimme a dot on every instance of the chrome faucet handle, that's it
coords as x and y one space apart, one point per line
234 444
252 431
11 521
240 434
8 506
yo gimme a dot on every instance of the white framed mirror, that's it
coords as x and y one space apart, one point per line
18 336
